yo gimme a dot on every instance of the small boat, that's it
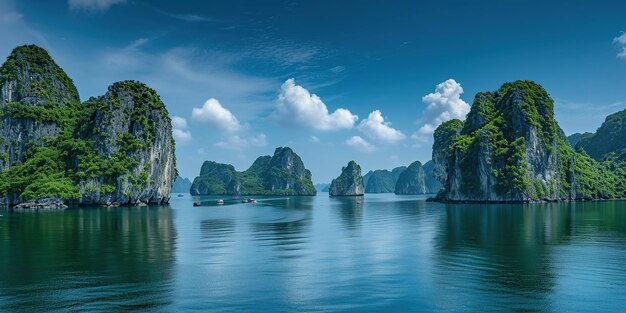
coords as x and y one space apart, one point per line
197 204
245 200
220 201
252 200
180 195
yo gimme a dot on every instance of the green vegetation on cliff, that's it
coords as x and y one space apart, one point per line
609 141
411 181
510 149
78 152
349 183
281 174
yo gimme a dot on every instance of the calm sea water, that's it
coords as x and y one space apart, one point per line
388 253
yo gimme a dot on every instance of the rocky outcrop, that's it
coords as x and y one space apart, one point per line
431 183
114 148
575 138
349 183
130 127
382 181
510 150
181 185
35 93
214 179
281 174
411 181
445 135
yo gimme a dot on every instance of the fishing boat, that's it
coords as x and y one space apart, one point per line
197 204
220 201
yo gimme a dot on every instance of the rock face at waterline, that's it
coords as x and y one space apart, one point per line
411 181
55 151
510 149
349 183
281 174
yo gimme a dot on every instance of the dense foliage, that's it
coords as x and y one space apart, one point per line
78 147
411 180
349 183
609 141
510 142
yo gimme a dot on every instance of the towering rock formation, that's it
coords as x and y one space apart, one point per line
411 181
36 97
57 151
349 183
129 128
510 150
444 135
281 174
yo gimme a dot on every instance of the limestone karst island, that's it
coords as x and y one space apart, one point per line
312 156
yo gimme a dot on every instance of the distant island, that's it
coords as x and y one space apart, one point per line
116 149
511 149
181 185
281 174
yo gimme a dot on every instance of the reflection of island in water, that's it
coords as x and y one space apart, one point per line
285 229
512 246
350 209
117 255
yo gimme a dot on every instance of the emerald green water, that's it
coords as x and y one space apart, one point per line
388 253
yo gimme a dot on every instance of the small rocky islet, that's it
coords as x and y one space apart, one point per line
349 183
281 174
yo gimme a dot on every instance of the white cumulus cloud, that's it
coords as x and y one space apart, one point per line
442 105
358 143
179 124
375 127
236 142
297 106
93 5
181 135
214 113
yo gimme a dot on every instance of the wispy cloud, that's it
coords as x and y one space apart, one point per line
620 41
360 144
93 5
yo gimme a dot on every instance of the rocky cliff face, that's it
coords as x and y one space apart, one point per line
281 174
411 181
431 183
35 94
130 127
444 135
349 183
510 149
115 148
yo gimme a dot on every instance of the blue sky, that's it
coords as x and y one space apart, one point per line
335 80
